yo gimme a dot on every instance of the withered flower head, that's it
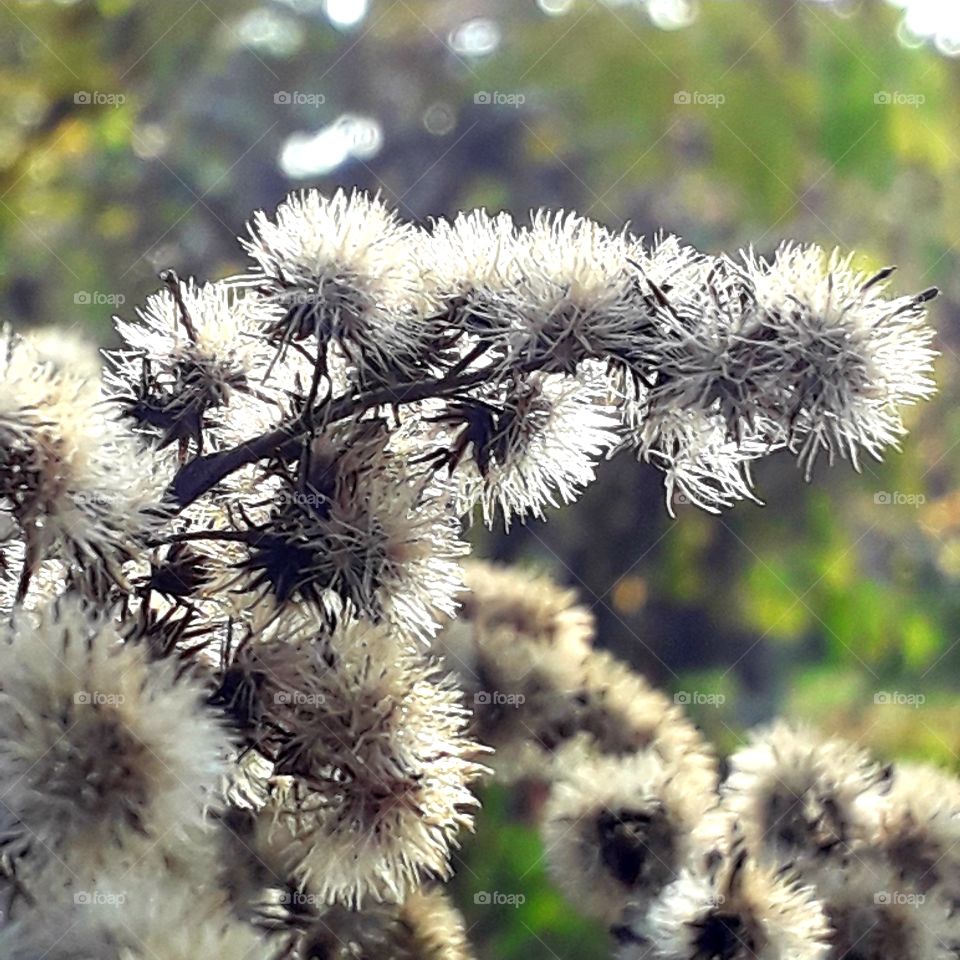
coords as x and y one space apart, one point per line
339 271
371 738
737 910
99 748
796 793
619 829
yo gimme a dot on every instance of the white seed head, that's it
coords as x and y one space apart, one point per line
846 359
372 742
99 748
539 445
795 794
619 829
78 484
340 269
736 911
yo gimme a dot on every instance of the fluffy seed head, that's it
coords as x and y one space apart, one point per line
426 926
471 268
576 299
352 530
98 747
373 740
382 547
713 353
533 605
736 911
77 483
537 445
873 916
916 824
190 351
702 463
796 794
340 271
619 829
845 358
531 699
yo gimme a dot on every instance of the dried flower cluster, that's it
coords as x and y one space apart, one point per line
249 683
805 848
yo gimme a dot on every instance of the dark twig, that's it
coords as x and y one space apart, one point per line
202 473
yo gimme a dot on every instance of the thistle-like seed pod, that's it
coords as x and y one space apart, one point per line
530 700
78 485
915 822
536 444
874 917
470 268
577 298
795 794
369 543
371 738
619 829
531 604
340 273
190 351
736 910
426 926
98 746
845 357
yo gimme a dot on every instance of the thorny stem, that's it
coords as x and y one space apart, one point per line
202 473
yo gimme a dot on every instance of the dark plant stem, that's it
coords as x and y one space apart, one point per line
202 473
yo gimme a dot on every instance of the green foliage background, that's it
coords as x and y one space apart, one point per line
821 604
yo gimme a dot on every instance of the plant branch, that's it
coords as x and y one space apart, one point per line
202 473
